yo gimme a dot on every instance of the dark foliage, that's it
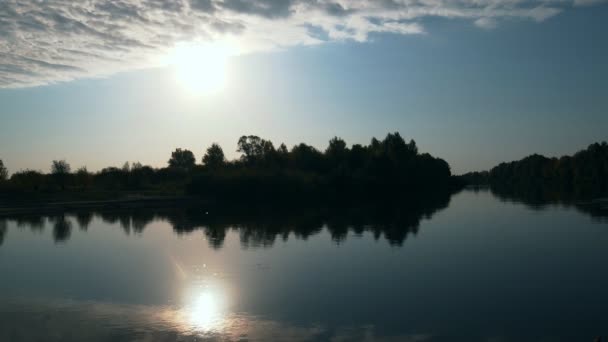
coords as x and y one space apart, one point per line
583 175
28 180
182 159
385 169
389 168
214 157
3 172
60 171
476 178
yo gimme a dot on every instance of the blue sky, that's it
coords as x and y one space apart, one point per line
475 90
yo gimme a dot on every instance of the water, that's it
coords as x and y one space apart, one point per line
470 268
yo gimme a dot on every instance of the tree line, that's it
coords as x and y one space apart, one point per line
582 175
389 167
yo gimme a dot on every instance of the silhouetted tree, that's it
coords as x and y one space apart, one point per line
183 159
336 152
358 157
306 157
214 157
140 176
281 156
60 170
27 179
60 167
255 149
250 147
111 178
283 149
3 172
83 178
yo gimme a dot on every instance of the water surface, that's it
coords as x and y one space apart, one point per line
468 268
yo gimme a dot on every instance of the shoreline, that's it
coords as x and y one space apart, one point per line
45 207
58 205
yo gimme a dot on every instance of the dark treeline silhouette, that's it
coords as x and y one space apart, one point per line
388 168
257 227
581 176
476 178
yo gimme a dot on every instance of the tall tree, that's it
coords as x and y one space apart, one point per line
3 172
255 149
336 152
183 159
60 169
250 146
214 157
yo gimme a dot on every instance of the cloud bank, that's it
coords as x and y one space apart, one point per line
49 41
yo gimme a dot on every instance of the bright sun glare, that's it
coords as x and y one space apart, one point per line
202 68
205 311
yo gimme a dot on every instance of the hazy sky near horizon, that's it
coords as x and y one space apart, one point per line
473 82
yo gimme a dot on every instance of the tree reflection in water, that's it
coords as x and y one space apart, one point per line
259 226
539 197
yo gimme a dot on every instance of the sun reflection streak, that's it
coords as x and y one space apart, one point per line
205 310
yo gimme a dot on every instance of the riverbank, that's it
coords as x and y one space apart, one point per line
50 206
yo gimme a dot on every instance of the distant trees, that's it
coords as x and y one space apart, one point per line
386 168
389 167
585 174
3 172
182 159
28 180
214 157
476 178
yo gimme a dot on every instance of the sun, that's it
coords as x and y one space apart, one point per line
201 68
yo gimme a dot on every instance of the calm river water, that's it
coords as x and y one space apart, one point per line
469 268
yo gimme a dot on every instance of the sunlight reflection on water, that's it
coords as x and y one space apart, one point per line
509 272
205 310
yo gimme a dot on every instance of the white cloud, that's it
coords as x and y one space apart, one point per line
47 41
486 23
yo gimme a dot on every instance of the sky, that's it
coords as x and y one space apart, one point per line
475 82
